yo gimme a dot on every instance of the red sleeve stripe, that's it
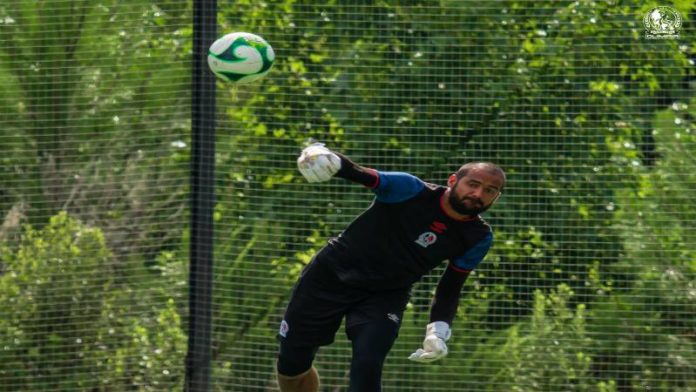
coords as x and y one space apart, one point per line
460 270
375 184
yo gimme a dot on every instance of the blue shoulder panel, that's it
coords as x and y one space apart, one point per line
394 187
473 256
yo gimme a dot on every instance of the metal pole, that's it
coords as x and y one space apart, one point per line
198 359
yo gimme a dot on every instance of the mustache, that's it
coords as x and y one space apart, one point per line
472 199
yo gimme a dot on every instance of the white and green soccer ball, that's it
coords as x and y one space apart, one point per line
240 57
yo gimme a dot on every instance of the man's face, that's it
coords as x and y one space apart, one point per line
475 192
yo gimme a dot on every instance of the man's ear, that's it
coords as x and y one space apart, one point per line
451 180
497 197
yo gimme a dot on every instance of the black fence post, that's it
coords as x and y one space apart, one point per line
198 358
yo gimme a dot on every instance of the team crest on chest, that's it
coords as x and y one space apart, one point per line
426 239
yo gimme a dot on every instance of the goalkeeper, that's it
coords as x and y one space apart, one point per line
365 274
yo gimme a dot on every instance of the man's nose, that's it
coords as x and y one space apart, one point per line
477 193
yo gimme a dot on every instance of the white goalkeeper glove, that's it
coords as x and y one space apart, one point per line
317 163
434 347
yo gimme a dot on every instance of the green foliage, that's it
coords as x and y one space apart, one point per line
144 353
52 294
82 132
66 326
538 355
650 317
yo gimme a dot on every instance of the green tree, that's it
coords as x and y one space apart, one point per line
92 113
644 307
548 353
70 322
51 296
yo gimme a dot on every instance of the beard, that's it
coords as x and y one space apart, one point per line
474 208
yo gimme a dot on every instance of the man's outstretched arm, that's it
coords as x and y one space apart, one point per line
351 171
318 163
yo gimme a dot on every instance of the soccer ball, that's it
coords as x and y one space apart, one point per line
240 57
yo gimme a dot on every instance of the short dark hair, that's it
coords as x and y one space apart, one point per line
489 167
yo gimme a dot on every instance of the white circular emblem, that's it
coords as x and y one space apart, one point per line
662 22
426 239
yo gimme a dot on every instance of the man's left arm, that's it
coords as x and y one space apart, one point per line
446 301
447 293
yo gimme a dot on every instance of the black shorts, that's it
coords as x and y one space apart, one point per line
319 301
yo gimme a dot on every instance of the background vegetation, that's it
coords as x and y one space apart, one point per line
591 284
